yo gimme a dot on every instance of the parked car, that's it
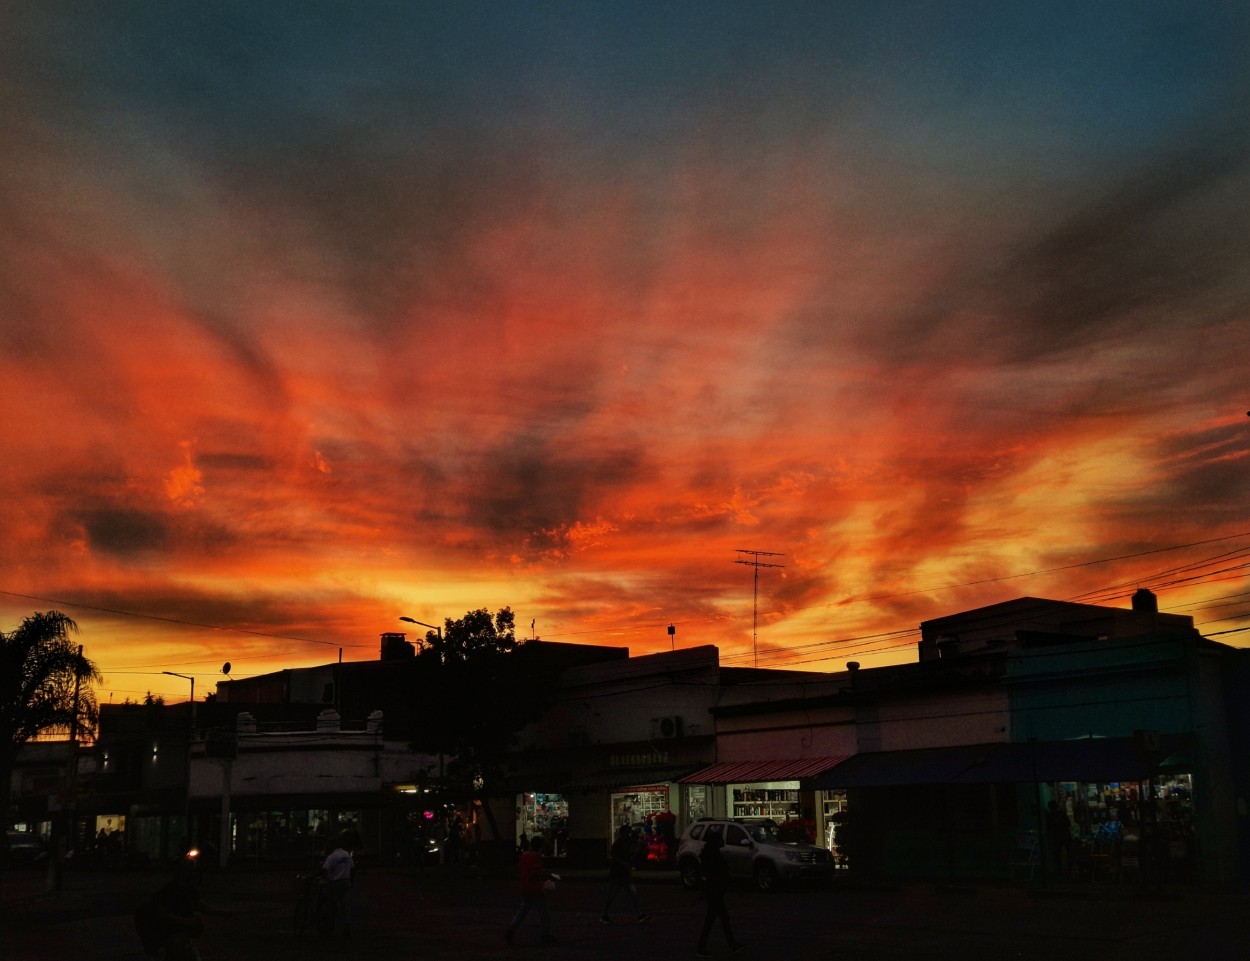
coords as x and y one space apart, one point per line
25 848
754 853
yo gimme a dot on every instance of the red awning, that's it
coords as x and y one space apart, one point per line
751 772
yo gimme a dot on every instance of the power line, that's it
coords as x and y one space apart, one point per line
1107 592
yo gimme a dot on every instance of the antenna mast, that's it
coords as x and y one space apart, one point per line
752 559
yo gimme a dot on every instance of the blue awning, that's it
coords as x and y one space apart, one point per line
1083 759
939 765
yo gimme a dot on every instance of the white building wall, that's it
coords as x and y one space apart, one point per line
297 763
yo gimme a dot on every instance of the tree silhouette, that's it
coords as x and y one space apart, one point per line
40 671
476 637
477 687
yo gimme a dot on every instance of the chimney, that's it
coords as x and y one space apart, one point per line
396 648
1145 602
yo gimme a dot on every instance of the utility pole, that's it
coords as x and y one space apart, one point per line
186 811
65 825
752 559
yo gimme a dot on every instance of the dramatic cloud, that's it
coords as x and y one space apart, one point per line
311 317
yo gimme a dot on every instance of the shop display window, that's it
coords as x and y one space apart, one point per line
696 802
1127 829
632 806
545 816
770 799
646 811
833 804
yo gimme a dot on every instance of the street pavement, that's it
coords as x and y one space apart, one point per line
433 914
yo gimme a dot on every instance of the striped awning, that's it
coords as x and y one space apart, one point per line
625 777
752 772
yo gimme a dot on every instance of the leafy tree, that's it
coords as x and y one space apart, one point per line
40 668
476 637
477 686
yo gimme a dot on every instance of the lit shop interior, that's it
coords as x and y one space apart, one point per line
545 816
804 815
646 810
1116 825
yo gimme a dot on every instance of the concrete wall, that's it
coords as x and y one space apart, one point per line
298 763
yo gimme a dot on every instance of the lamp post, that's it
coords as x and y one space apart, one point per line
432 627
186 816
439 631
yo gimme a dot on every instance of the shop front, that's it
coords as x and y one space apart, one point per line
546 816
1087 809
772 789
640 792
1141 830
647 810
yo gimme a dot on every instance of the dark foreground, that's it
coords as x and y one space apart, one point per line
433 916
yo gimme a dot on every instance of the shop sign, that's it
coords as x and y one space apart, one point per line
641 759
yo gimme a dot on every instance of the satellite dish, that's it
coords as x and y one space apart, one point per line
225 669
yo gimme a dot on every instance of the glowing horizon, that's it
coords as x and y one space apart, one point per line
310 322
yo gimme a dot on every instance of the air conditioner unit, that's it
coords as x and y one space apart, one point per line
666 727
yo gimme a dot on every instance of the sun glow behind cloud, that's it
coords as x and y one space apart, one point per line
298 340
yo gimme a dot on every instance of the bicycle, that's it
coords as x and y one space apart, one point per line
312 909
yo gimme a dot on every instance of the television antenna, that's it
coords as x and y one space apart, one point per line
752 559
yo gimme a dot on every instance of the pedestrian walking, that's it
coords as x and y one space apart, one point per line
535 882
621 875
714 875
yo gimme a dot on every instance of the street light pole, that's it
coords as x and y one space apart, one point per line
439 631
186 816
432 627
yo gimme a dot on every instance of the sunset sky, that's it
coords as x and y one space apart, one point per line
317 315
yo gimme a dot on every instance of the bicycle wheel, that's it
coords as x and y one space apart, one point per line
303 914
305 906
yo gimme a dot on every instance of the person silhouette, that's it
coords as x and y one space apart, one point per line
534 879
621 875
714 874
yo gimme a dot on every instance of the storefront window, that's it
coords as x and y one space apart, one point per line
769 799
110 834
645 809
1146 825
696 801
833 803
545 816
632 806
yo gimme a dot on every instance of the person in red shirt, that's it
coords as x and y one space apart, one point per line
533 885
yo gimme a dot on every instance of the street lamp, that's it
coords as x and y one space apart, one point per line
439 631
432 627
186 817
191 678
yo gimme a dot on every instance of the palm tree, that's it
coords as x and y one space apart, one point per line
41 687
